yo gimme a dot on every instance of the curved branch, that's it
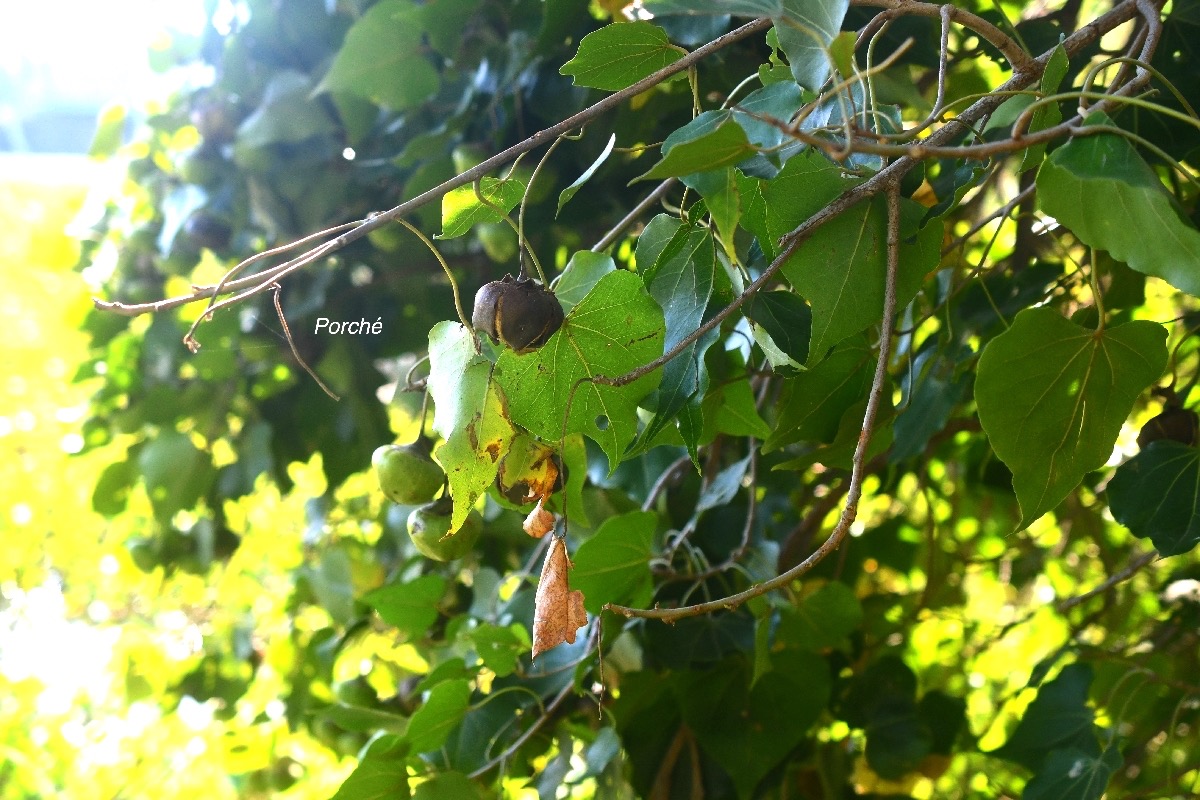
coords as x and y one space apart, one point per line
857 470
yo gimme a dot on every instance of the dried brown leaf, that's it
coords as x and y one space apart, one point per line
539 522
557 611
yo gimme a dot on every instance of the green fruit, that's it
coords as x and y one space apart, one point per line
356 692
200 166
406 473
429 525
144 555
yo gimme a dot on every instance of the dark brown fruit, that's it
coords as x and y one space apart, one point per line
1177 424
521 314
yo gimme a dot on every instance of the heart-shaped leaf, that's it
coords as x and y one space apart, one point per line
620 55
616 328
1102 189
1155 495
1052 397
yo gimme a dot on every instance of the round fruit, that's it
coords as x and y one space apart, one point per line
521 314
205 229
429 525
406 473
200 166
1175 423
356 692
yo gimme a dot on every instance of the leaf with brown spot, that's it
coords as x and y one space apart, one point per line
530 470
557 611
469 412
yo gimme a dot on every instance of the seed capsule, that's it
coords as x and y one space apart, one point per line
521 314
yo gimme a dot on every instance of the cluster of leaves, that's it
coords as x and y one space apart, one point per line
721 394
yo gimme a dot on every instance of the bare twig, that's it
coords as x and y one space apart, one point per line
1134 566
659 192
262 281
1008 47
275 291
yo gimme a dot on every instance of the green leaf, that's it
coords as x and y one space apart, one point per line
616 328
824 619
841 51
1052 397
724 145
742 8
719 188
806 30
365 720
382 58
176 473
583 271
566 194
1156 494
381 774
613 566
1058 717
815 401
748 731
932 390
412 607
500 648
897 740
786 318
841 268
1100 188
678 264
438 715
469 413
1073 774
620 55
447 786
1049 115
461 209
729 406
287 114
443 23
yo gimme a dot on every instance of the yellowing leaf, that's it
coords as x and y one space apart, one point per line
469 413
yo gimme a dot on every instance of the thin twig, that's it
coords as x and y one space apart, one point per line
262 281
1134 566
878 182
659 192
857 471
1008 47
275 291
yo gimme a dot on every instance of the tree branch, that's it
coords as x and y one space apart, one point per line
857 471
262 281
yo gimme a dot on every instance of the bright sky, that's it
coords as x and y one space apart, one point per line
82 51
